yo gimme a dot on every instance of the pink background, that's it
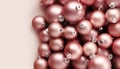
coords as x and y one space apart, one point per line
18 41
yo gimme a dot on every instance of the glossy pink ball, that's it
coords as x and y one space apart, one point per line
70 32
97 19
89 48
88 2
113 15
104 40
84 27
48 2
99 62
56 61
80 63
114 29
116 62
73 11
53 13
116 47
55 30
44 50
38 22
44 36
40 63
73 50
56 44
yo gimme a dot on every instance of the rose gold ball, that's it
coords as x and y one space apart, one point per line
99 62
104 40
80 63
73 50
56 61
88 2
38 22
113 29
44 50
44 36
113 15
40 63
89 48
56 44
48 2
73 11
53 13
70 32
84 27
97 21
116 62
116 47
55 30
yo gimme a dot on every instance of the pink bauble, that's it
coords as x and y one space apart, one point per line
70 32
55 30
99 62
80 63
56 61
114 29
84 27
44 36
89 48
53 13
113 15
113 3
104 40
97 19
44 50
56 44
73 50
38 22
116 62
40 63
73 11
116 47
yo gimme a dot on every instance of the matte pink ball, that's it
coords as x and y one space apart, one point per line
99 62
70 32
114 29
113 15
44 50
89 48
116 47
104 40
116 62
80 63
38 22
40 63
97 19
104 52
56 61
113 3
88 2
48 2
73 50
53 13
44 36
73 11
55 30
84 27
56 44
